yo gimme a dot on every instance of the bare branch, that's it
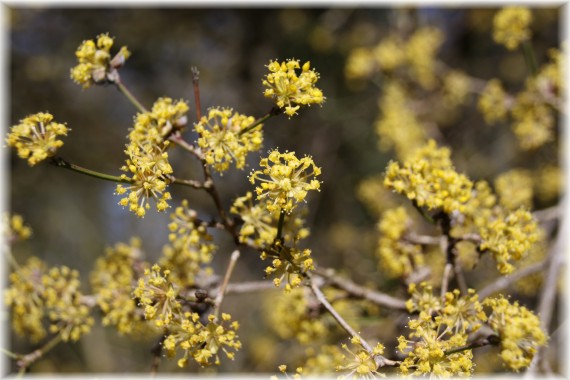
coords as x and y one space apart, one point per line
360 291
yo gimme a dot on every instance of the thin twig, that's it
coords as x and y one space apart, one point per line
121 86
380 360
504 282
445 279
249 287
220 296
28 359
359 291
196 85
61 163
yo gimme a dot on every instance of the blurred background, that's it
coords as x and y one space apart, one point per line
75 217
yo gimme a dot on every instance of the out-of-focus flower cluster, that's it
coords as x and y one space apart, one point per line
507 230
95 62
36 137
190 249
14 228
112 279
511 26
290 90
518 329
37 293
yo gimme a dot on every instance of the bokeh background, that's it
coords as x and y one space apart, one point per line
75 217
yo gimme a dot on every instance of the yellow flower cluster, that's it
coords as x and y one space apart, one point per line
533 120
548 182
158 296
183 329
289 264
426 354
151 128
112 279
202 342
456 87
260 226
508 237
511 26
289 90
190 247
36 137
225 137
95 63
285 180
531 109
149 168
415 57
429 180
324 361
397 257
290 316
37 292
493 102
147 160
397 126
514 189
14 229
518 329
360 364
421 50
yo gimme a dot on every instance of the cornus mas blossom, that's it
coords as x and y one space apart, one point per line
95 62
290 90
285 180
36 137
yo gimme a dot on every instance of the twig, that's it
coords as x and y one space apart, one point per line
61 163
220 296
504 282
187 182
129 95
380 360
490 340
547 299
28 359
445 279
273 112
196 85
360 291
249 287
421 239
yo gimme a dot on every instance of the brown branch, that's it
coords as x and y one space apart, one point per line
504 282
360 291
380 360
249 287
196 86
220 296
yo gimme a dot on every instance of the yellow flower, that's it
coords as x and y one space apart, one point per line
150 168
14 229
190 247
519 332
289 264
225 137
493 102
429 179
285 180
511 26
36 137
94 61
515 189
165 116
360 364
289 90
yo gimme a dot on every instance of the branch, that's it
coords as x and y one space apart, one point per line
220 296
360 291
380 360
61 163
504 282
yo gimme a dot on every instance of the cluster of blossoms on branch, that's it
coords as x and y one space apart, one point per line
177 298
